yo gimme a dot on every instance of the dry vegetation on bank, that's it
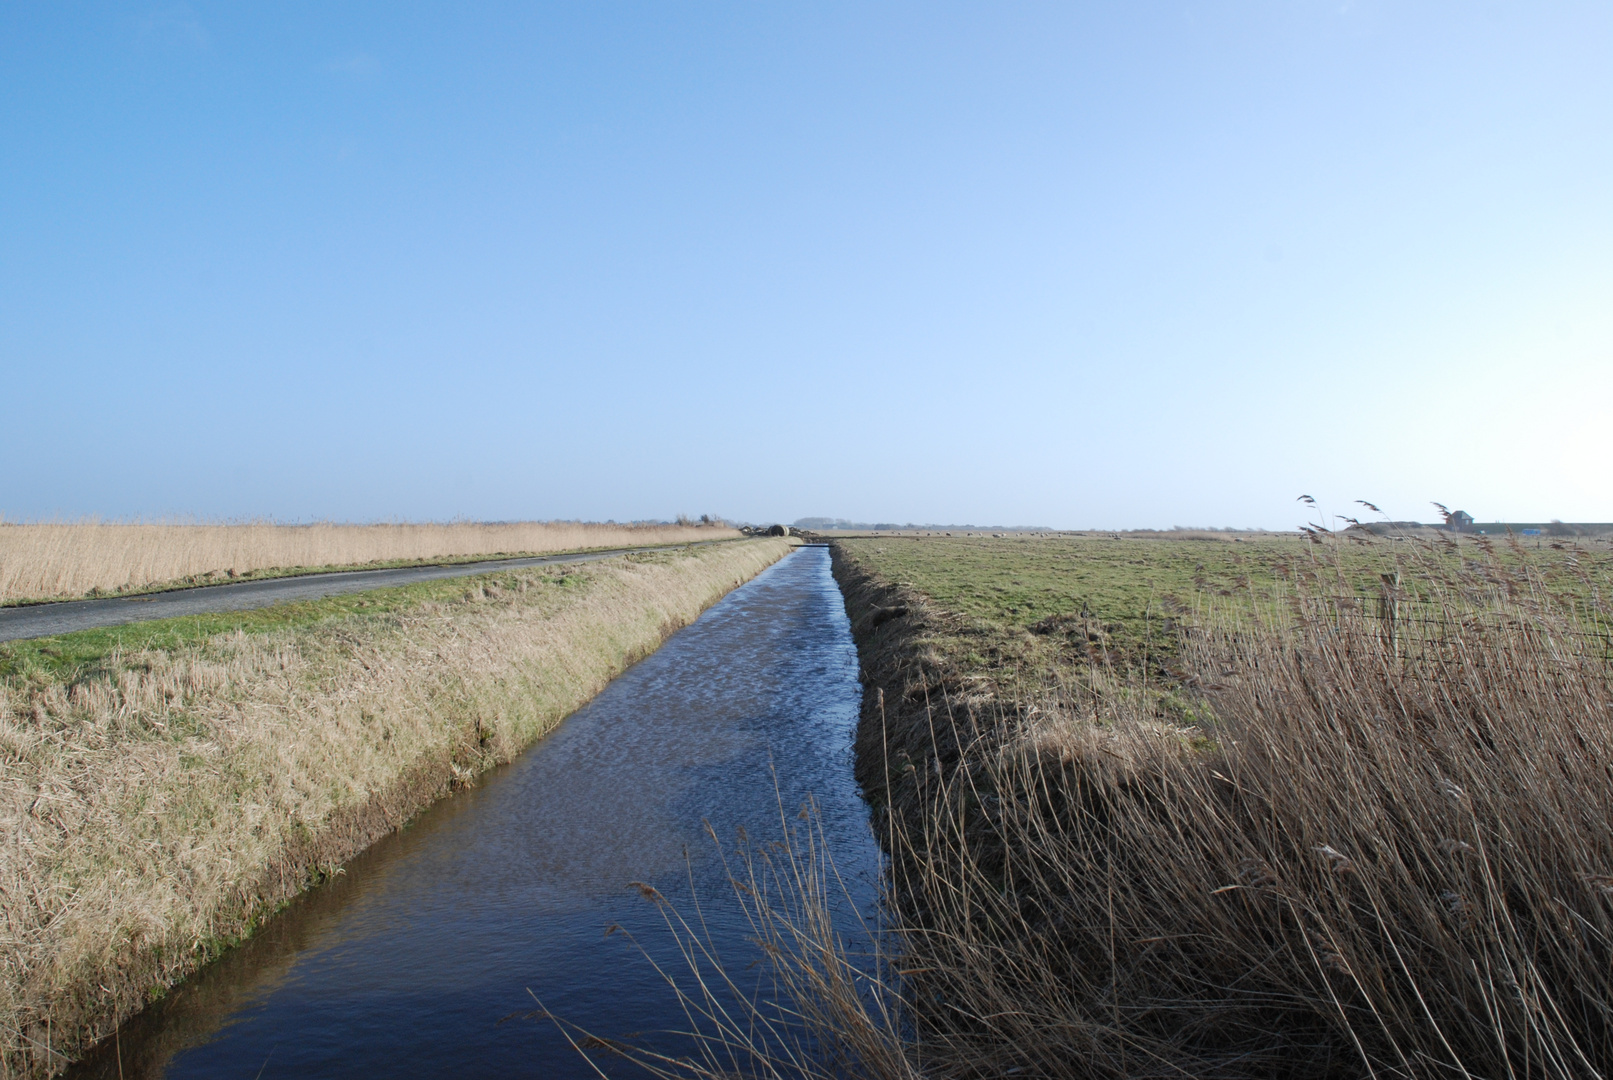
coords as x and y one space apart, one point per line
156 804
1379 843
43 561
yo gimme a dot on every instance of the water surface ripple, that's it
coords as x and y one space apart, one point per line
407 964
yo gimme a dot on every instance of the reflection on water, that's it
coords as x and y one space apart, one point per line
406 965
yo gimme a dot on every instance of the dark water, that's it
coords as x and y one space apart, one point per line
407 964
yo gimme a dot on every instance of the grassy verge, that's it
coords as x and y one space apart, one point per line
1339 811
73 657
166 786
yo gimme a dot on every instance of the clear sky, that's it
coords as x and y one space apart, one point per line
1107 264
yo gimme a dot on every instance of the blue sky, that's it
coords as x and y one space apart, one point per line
1120 264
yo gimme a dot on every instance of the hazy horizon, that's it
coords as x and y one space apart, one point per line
1093 266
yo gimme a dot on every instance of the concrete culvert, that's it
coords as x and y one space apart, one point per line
779 530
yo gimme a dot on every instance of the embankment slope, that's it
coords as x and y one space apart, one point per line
159 804
1354 820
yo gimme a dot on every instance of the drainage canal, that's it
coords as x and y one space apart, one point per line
414 961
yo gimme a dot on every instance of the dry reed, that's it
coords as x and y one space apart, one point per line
1386 852
43 561
154 809
820 1009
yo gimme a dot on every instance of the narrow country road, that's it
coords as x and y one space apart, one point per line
48 620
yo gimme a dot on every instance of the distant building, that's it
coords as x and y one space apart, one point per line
1460 521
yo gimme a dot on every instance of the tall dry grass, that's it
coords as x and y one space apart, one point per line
1387 851
154 809
41 561
819 1008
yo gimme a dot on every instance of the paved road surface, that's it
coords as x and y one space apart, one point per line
47 620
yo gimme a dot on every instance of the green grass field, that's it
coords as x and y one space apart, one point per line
1007 592
1021 606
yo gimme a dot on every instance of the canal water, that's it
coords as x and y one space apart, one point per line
424 958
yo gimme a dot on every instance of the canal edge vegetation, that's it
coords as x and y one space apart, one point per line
1356 821
170 786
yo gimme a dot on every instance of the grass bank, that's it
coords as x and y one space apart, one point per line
1158 808
57 560
167 786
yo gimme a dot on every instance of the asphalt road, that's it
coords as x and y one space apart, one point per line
48 620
